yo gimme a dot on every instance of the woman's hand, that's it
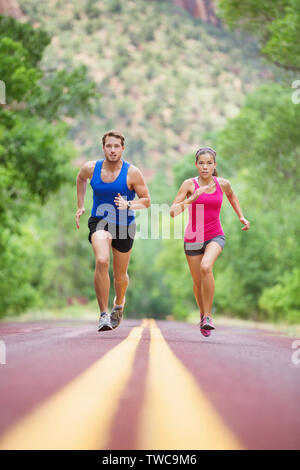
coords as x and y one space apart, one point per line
79 213
245 222
120 202
197 193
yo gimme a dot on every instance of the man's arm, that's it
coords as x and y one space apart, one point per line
140 187
84 174
233 199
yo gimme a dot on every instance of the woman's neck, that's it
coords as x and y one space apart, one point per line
204 182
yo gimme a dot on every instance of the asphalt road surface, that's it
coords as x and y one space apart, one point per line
147 385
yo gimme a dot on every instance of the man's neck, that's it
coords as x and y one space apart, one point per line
112 166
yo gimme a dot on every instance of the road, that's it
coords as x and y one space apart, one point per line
148 384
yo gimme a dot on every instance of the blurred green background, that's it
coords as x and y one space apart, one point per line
170 82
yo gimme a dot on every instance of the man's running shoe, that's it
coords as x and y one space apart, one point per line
207 324
104 322
205 333
116 314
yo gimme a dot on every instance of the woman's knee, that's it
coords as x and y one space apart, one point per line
197 283
205 268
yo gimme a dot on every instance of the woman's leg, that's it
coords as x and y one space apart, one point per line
194 263
211 253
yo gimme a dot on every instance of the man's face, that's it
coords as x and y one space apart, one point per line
113 149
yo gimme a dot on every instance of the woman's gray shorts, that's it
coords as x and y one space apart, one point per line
194 249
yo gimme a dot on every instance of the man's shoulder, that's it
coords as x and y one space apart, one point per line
91 163
87 168
133 170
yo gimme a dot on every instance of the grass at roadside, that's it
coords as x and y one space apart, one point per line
276 328
76 311
90 312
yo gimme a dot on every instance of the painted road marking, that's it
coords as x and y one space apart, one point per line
78 416
176 414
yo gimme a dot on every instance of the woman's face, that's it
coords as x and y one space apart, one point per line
205 165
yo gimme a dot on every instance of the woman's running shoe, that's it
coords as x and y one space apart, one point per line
207 323
205 333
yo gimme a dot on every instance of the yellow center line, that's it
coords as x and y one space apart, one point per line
176 414
79 415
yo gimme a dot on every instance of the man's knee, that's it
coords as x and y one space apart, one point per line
102 262
121 277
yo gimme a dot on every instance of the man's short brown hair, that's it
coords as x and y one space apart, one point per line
116 134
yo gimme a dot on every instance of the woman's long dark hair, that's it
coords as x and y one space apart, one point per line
202 151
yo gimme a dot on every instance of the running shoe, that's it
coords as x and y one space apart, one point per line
116 314
205 333
207 323
104 322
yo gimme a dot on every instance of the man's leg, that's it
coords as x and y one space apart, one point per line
121 279
101 242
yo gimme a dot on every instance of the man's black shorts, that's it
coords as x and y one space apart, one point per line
122 235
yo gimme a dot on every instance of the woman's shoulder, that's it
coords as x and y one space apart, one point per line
191 180
224 183
188 182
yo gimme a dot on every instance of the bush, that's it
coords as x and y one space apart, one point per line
283 299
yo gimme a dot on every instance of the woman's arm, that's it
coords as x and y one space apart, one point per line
180 202
233 199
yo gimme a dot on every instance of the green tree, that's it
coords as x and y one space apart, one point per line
262 145
276 23
34 151
268 122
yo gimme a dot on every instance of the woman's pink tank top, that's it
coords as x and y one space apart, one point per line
204 216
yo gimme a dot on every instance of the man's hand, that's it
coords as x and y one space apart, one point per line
120 202
245 222
79 212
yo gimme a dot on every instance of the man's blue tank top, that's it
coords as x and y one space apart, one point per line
104 195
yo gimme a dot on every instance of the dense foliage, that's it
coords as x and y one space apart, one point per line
170 83
34 152
275 23
257 274
166 78
263 145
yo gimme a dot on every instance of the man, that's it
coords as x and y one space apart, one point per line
115 183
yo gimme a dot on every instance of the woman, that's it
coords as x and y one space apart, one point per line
204 238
